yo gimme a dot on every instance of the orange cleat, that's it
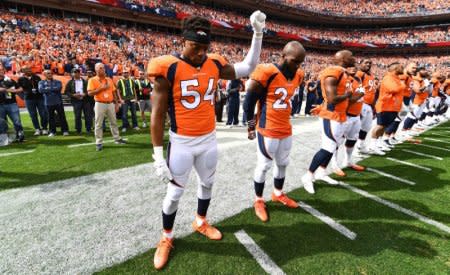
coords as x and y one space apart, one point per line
414 141
260 210
162 252
338 172
357 167
284 199
209 231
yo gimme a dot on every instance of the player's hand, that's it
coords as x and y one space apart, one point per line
251 126
258 21
316 110
361 90
160 165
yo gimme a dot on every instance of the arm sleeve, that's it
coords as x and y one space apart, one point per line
251 98
250 61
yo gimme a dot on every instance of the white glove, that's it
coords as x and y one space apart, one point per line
160 164
258 22
361 90
426 82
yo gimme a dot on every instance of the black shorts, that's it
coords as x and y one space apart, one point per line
386 118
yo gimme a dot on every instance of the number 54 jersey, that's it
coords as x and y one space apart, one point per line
274 106
191 93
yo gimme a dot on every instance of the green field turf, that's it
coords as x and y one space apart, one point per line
387 241
53 160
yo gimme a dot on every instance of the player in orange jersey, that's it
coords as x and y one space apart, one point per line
421 88
388 105
367 112
353 125
336 90
184 86
272 86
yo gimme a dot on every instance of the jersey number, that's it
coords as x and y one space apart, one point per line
185 92
280 103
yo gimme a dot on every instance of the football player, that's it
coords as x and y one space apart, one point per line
184 86
272 86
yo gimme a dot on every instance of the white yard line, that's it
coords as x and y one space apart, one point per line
437 140
390 176
16 153
409 164
422 154
397 207
324 218
258 254
434 147
436 134
91 143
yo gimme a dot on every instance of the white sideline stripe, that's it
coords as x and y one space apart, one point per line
91 143
397 207
390 176
409 164
260 256
16 153
333 224
422 154
434 147
437 140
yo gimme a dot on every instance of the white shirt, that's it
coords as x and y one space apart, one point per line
78 86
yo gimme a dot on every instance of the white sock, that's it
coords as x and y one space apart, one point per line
168 234
349 151
277 192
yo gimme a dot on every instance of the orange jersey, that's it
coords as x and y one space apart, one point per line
191 94
436 87
447 86
338 111
420 98
274 109
408 81
391 94
368 82
355 108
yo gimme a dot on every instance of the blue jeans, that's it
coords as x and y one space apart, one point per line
62 118
81 107
34 106
132 107
233 110
12 111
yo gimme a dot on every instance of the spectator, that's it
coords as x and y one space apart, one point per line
126 87
106 104
76 88
8 105
34 101
221 99
51 89
311 96
144 92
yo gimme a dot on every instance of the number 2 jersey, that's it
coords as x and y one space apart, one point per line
274 106
191 92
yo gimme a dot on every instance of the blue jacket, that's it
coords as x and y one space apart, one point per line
51 91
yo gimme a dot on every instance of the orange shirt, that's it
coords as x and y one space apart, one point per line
420 98
391 94
355 108
105 96
436 87
335 111
368 82
191 95
274 109
408 82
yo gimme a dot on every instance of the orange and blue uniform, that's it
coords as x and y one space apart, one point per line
354 109
336 112
191 94
420 98
368 82
274 107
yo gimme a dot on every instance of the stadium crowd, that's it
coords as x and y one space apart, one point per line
408 36
369 8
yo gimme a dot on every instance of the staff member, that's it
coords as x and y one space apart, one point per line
76 88
106 104
51 89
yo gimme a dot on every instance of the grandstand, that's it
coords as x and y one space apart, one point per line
66 208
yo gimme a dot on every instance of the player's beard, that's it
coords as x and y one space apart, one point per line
287 71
